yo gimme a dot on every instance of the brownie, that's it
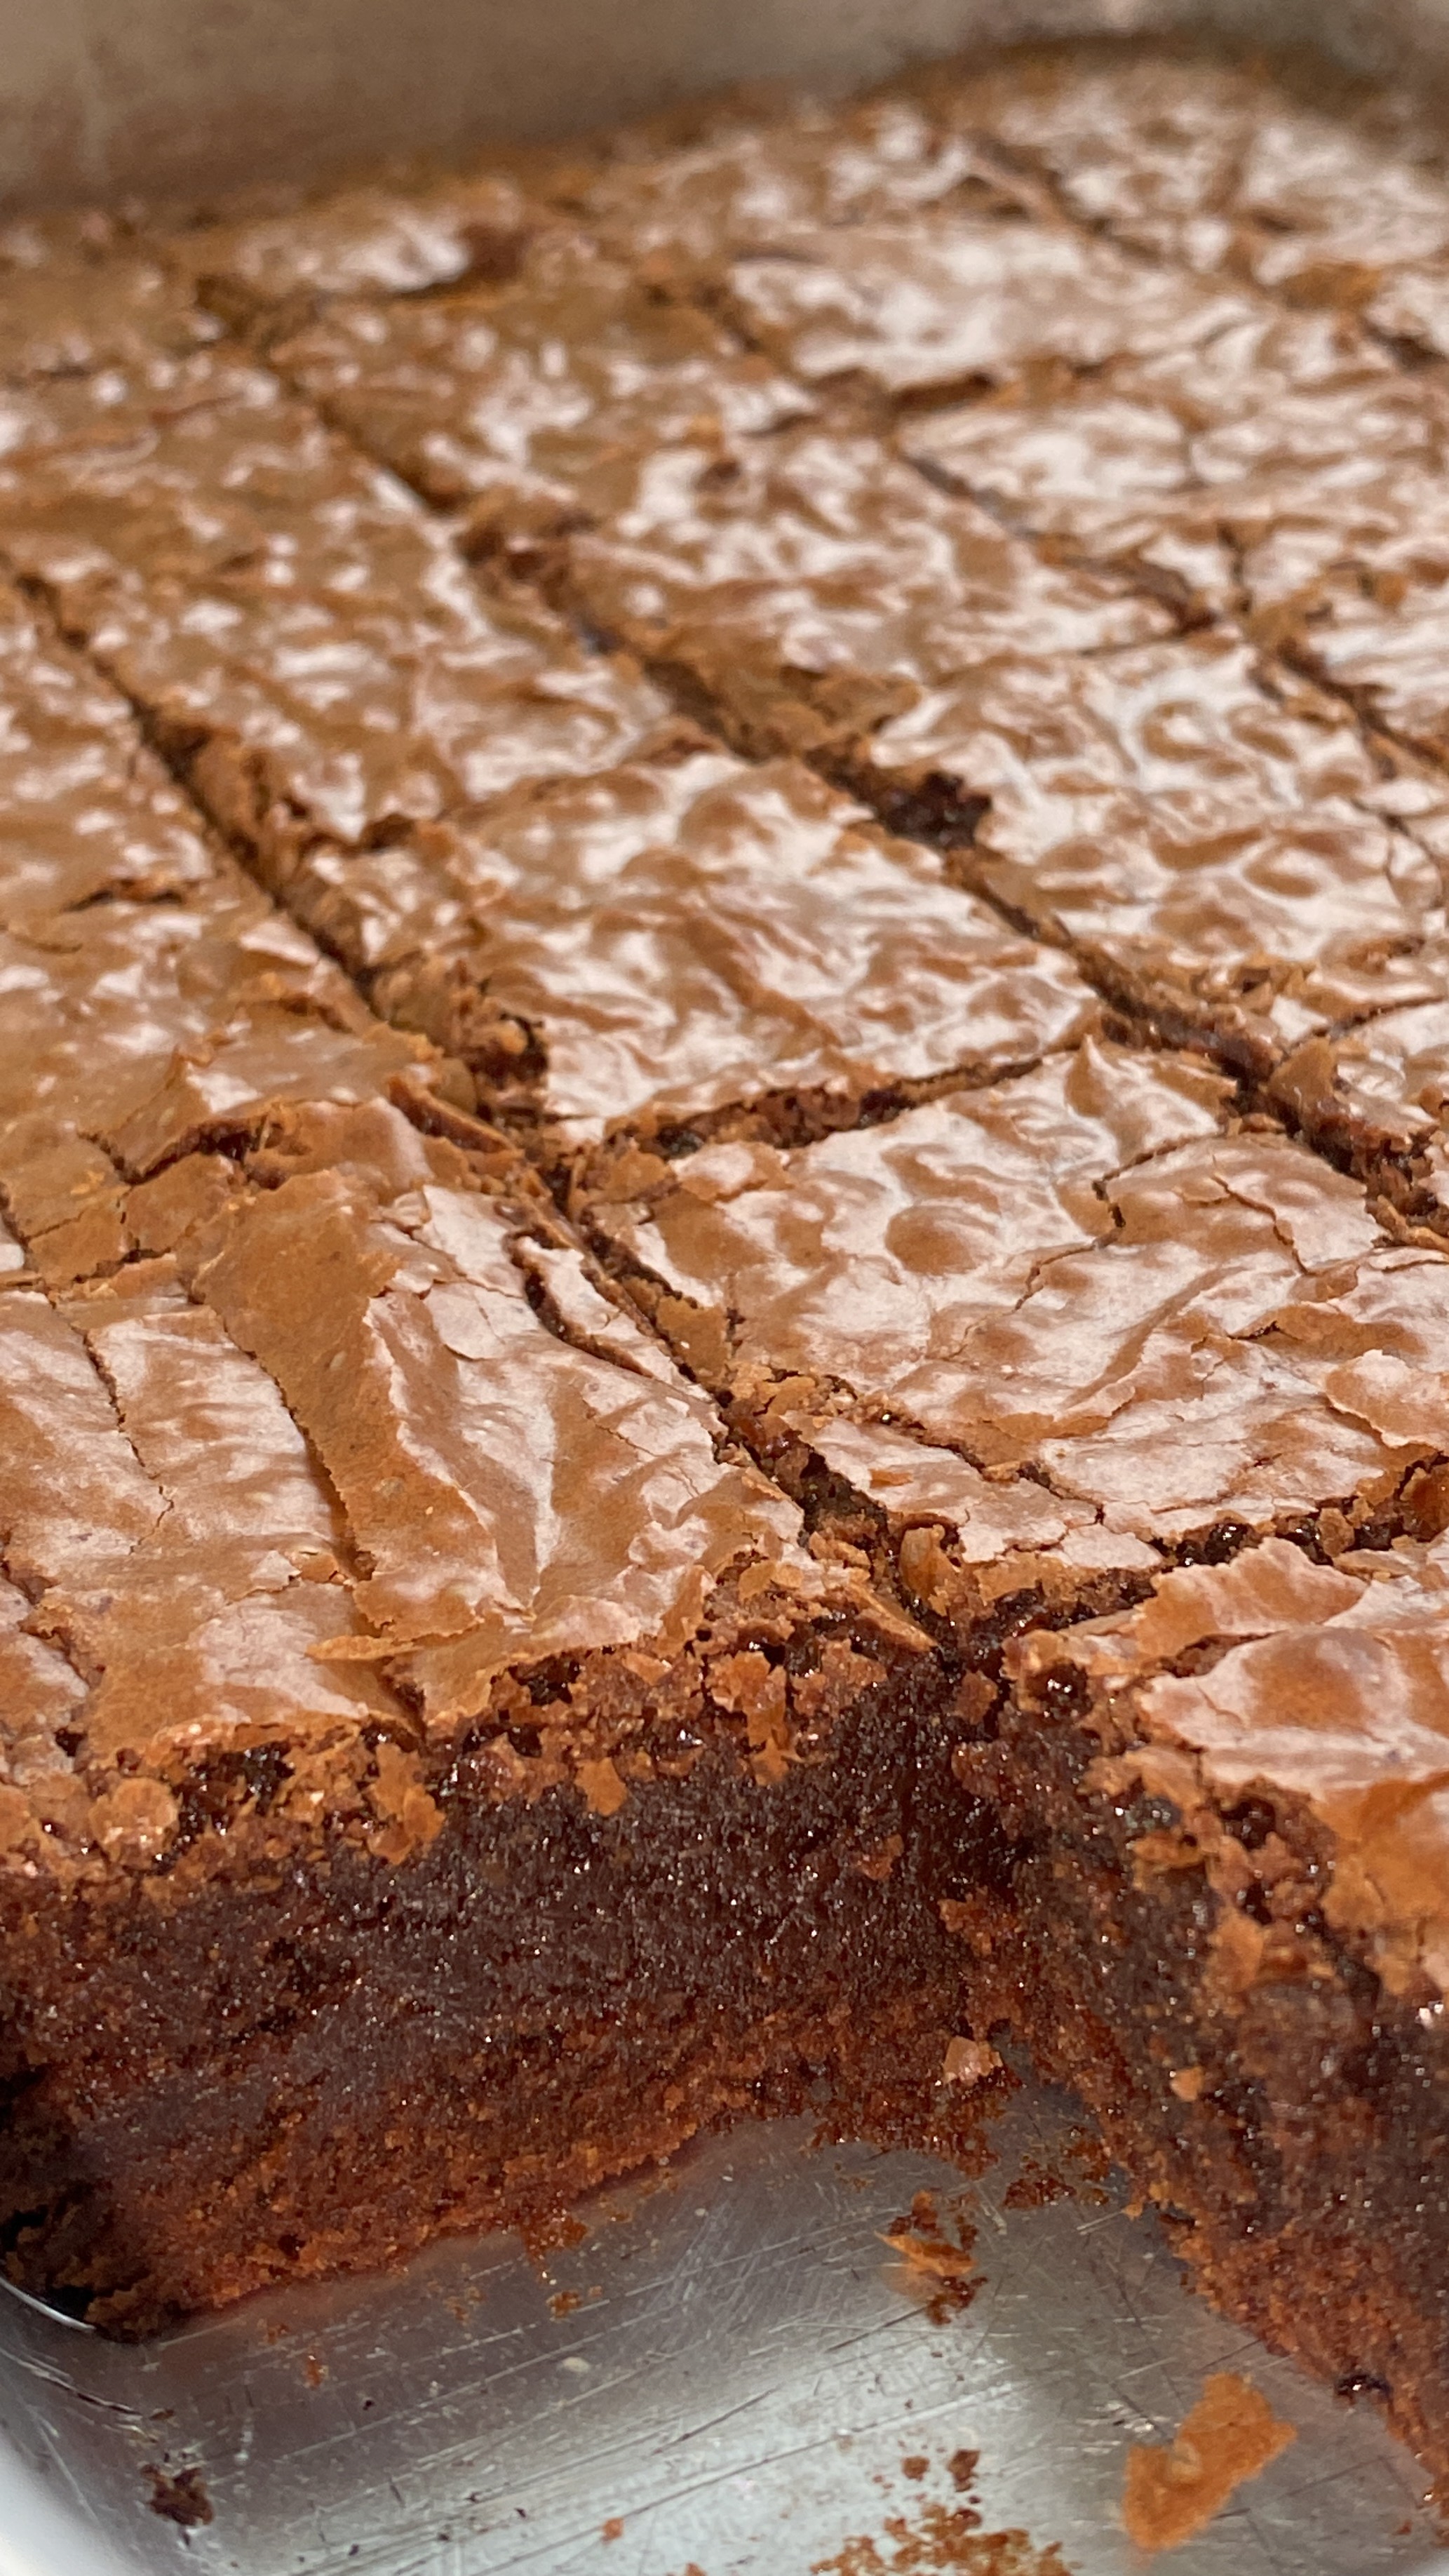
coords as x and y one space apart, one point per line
743 184
1283 172
1215 836
370 1578
948 300
1229 1814
270 267
1182 472
724 1055
82 295
1143 143
515 397
801 588
1091 1276
300 636
690 947
156 1007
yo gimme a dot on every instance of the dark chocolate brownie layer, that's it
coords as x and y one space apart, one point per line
1227 1812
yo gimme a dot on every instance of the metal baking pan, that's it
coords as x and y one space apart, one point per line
729 2375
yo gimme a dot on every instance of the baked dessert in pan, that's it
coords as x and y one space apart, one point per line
724 1006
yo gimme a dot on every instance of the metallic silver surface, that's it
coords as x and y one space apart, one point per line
747 2367
99 98
746 2373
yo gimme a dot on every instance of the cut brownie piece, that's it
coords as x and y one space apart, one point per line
742 187
1143 143
153 1004
414 1724
808 585
1361 598
86 813
1216 840
300 635
1179 471
915 307
1228 1930
520 393
82 295
694 946
1315 186
1020 1339
269 269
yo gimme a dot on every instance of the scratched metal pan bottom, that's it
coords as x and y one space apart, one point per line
726 2375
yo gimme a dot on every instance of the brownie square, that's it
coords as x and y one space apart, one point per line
1181 469
303 639
1177 1329
1228 1812
694 947
803 587
1141 141
751 180
915 308
514 397
154 1005
268 269
1214 837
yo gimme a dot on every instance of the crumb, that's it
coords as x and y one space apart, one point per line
915 2467
946 2540
613 2528
936 2255
968 2062
553 2235
1173 2489
1187 2083
179 2496
961 2470
314 2370
564 2302
940 2266
1036 2186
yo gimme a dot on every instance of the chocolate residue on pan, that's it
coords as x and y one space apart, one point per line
179 2496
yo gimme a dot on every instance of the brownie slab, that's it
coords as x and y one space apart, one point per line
647 1471
1227 1809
